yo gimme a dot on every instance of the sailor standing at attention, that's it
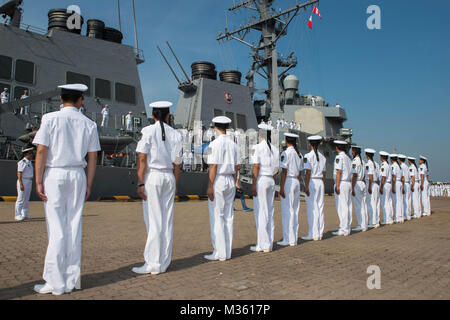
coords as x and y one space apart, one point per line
372 189
105 116
397 189
415 188
159 165
63 141
5 96
292 166
359 190
25 173
265 161
424 185
315 166
343 188
223 169
406 188
129 122
386 189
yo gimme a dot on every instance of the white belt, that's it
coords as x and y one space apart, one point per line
160 170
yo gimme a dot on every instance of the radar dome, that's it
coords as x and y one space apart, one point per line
291 82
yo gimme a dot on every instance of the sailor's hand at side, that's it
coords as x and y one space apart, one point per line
22 188
337 190
210 193
41 192
88 193
254 192
141 193
307 191
282 194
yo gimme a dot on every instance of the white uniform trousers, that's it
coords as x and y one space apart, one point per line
344 207
23 199
360 204
372 204
105 121
416 201
314 208
129 126
386 203
379 204
397 199
221 215
290 207
426 198
158 216
65 189
263 210
407 201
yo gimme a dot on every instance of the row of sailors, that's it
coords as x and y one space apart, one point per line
65 149
440 190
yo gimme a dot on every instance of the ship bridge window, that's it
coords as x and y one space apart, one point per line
103 89
5 67
73 77
218 113
18 92
125 93
241 121
231 116
25 71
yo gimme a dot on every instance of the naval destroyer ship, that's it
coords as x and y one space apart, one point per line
39 60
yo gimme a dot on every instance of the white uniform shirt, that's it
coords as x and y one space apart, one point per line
317 167
223 152
423 170
162 154
413 172
291 161
69 136
343 163
358 168
370 170
5 97
405 172
105 112
267 159
25 166
386 171
396 171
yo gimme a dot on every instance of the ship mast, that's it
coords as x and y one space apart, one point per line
272 25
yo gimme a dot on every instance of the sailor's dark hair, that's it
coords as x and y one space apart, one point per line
268 135
222 126
370 156
357 151
71 97
413 162
342 147
315 144
160 114
293 141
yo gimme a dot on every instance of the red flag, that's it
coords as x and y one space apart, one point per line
310 22
316 11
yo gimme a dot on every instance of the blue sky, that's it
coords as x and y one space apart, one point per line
394 82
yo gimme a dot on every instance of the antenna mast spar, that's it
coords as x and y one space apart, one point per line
272 25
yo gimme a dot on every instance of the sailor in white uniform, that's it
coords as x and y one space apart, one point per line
64 140
372 189
406 188
5 96
292 166
105 116
129 122
397 188
359 190
415 188
159 165
25 110
424 185
343 188
386 189
25 174
378 181
315 168
265 160
223 169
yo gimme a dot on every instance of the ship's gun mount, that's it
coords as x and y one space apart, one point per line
12 9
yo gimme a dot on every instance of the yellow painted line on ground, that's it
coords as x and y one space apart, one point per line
122 197
177 198
193 197
9 199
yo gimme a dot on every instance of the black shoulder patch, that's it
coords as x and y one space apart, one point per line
337 160
282 157
367 167
382 169
305 160
354 166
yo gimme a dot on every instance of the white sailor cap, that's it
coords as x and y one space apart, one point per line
130 112
161 104
222 120
370 151
384 154
356 147
423 158
340 142
291 135
76 88
25 150
5 88
393 155
266 127
401 156
412 158
315 138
